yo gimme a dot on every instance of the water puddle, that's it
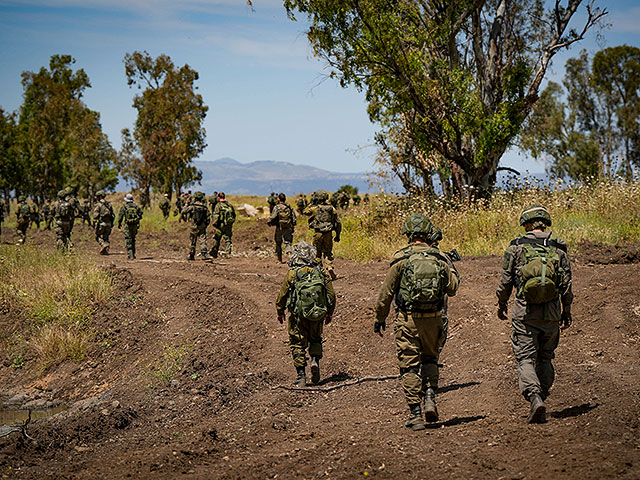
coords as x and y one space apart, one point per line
11 417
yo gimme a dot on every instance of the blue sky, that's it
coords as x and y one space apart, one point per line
268 98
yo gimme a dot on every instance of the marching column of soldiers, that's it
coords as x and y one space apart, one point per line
418 283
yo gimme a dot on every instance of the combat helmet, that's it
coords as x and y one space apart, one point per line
21 199
417 224
100 193
128 198
535 212
198 196
62 194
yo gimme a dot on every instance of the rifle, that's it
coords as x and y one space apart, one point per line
453 255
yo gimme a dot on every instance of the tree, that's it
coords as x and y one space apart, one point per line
168 133
462 76
12 174
597 131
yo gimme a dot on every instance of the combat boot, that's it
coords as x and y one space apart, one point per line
191 257
104 250
430 409
538 412
301 379
415 420
315 369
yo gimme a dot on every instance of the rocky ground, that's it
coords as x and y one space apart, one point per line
185 371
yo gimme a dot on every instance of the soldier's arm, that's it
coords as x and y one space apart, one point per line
216 214
120 216
283 295
387 292
273 216
293 215
337 225
454 281
310 210
507 278
331 295
566 291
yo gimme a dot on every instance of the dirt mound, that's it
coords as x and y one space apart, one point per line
608 254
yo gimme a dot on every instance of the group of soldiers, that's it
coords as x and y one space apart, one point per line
420 279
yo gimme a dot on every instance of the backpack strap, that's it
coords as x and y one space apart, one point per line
545 242
438 255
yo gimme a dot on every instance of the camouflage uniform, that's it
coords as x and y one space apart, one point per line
130 228
324 220
48 216
165 206
35 215
356 199
271 201
535 327
179 205
419 335
304 334
85 212
283 217
301 203
103 217
197 209
222 231
63 213
23 215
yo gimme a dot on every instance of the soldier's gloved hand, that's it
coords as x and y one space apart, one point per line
379 327
327 319
281 318
502 311
565 319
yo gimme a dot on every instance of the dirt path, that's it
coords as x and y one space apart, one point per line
223 415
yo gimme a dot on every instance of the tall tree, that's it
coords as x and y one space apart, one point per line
168 133
12 174
465 73
597 131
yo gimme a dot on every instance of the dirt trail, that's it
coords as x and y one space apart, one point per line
223 415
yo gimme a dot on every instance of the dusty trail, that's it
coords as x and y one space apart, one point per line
224 417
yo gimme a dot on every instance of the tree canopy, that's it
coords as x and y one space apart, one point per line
456 80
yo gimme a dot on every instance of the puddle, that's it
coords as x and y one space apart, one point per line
10 416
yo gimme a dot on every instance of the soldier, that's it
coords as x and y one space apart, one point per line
366 199
165 206
200 217
301 203
223 217
418 280
356 199
343 200
85 212
179 205
35 215
324 220
272 200
23 215
131 214
70 197
307 292
48 215
63 213
538 266
213 199
103 217
284 219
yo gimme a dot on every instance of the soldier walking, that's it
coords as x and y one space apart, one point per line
165 206
301 203
35 215
103 217
284 219
48 215
307 293
224 215
130 214
272 200
63 213
198 213
324 220
419 279
23 215
537 265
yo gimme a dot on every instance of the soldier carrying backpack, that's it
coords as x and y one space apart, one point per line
283 217
224 215
198 212
103 218
130 214
537 266
307 293
419 279
23 219
323 219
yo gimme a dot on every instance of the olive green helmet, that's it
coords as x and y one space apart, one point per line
62 194
100 193
21 199
535 212
198 196
415 224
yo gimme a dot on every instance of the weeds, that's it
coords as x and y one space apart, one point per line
168 363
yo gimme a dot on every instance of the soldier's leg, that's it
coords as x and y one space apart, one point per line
287 236
228 243
277 238
202 236
547 344
317 243
134 233
524 343
105 238
327 253
430 331
314 330
445 324
193 238
297 342
217 235
127 240
60 243
408 351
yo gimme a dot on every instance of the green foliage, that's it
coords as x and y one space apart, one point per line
167 363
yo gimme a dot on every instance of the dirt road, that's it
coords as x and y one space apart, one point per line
135 414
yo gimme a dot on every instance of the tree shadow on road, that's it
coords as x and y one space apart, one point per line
574 411
456 386
455 421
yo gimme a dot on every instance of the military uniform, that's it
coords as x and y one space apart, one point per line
324 220
63 214
85 212
283 217
165 207
103 217
23 216
301 204
200 217
130 214
48 216
223 229
272 200
304 333
35 215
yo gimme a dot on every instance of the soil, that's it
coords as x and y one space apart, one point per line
184 373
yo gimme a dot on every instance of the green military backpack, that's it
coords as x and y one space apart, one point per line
24 211
324 221
309 300
132 214
226 215
540 273
285 216
423 284
199 214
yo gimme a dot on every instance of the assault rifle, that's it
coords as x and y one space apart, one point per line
453 255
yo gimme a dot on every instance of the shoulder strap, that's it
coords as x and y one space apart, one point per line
545 242
439 256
